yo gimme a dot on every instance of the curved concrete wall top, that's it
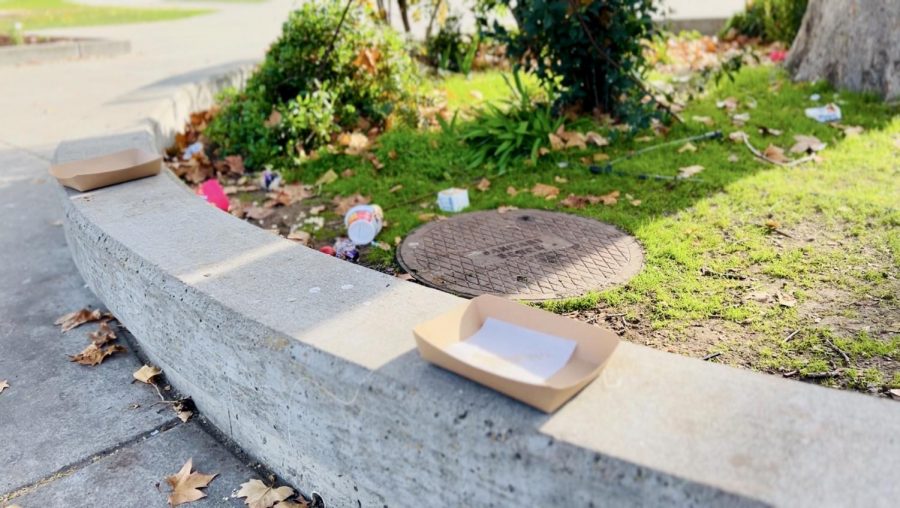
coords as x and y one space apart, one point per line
309 363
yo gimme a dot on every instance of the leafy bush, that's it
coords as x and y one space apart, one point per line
450 50
770 20
590 51
306 90
520 129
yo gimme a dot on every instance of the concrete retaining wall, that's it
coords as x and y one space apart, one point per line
309 364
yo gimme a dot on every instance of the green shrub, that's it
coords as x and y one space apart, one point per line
367 77
770 20
590 51
519 128
450 49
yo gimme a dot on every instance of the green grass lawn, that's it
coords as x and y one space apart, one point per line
35 14
738 258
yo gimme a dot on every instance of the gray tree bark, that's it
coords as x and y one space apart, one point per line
853 44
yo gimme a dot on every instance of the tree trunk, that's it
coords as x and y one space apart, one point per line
404 14
853 44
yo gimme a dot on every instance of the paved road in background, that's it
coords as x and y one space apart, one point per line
74 435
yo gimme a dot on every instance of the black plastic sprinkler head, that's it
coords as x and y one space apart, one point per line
601 170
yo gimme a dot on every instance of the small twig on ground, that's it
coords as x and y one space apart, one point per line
711 356
782 233
839 351
762 156
791 336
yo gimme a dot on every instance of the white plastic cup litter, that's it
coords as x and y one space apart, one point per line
453 200
363 223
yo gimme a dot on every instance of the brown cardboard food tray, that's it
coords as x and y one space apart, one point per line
109 169
594 346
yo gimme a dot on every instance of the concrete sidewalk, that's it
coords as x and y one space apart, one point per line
75 435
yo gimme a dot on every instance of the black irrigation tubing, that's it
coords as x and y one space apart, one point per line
607 169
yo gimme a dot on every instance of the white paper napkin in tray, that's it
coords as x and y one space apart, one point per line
514 352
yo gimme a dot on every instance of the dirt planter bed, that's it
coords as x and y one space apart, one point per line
309 364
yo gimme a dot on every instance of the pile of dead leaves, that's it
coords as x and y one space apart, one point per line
101 345
185 488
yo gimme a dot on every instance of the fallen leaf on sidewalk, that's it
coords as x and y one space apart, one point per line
181 410
689 171
77 318
103 334
258 495
545 191
4 384
94 355
146 373
292 504
185 485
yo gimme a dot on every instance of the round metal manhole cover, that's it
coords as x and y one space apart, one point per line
521 254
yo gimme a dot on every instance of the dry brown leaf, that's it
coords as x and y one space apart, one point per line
559 179
77 318
786 300
395 188
375 162
356 142
4 384
300 236
367 59
740 119
766 131
344 203
733 158
103 334
483 185
94 355
273 120
181 411
511 191
258 495
235 164
705 120
504 209
775 154
895 393
316 210
146 373
327 177
635 202
729 104
573 201
556 143
689 171
738 136
807 144
292 504
347 173
852 130
595 139
185 485
545 191
600 157
643 139
258 212
687 147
